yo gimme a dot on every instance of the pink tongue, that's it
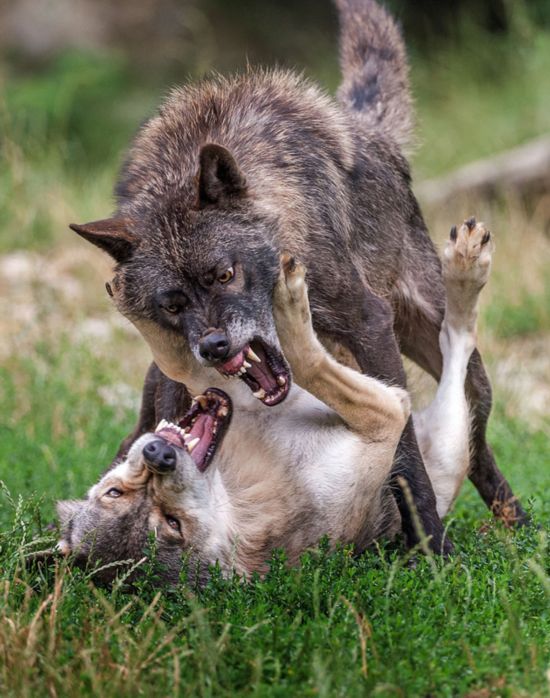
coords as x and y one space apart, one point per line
203 429
262 374
234 364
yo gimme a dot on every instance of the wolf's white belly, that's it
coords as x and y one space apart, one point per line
303 441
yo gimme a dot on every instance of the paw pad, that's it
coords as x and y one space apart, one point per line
468 252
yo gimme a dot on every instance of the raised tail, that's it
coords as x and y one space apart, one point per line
375 69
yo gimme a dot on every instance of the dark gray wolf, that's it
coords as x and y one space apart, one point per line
231 172
203 487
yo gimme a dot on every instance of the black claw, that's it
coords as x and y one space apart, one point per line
453 233
471 223
485 239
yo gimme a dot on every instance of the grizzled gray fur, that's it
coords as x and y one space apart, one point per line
232 171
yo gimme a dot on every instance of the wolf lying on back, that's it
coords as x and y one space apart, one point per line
202 487
232 172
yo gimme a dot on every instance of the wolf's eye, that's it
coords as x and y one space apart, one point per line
173 523
173 308
227 275
113 492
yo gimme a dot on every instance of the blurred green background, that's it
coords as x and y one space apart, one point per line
77 77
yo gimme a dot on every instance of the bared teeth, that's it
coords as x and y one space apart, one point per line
253 356
164 424
260 394
246 364
191 444
223 411
281 380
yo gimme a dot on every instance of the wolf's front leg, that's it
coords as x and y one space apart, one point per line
368 406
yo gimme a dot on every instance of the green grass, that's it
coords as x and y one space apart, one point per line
336 625
526 316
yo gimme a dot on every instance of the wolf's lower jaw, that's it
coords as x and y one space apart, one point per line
263 368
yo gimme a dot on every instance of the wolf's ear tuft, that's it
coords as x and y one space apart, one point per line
66 509
112 235
219 175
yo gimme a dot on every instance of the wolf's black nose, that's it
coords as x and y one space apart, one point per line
214 345
159 456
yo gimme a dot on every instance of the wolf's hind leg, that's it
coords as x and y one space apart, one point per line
443 428
367 405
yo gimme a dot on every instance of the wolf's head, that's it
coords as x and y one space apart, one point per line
165 488
196 264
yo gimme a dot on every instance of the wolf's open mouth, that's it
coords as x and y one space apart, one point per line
201 430
263 369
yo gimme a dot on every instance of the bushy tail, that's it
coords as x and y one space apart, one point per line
375 68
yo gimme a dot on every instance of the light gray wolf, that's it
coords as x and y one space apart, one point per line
230 173
231 488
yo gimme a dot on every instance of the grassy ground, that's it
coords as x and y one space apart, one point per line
70 370
478 625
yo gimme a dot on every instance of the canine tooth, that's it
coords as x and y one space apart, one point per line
281 380
191 444
253 356
222 412
260 394
202 400
163 423
246 364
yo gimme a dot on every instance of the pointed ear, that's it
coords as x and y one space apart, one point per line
219 175
112 235
66 509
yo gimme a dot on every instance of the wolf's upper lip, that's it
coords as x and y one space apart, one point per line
237 364
263 369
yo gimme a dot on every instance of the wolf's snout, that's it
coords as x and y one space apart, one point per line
214 345
160 456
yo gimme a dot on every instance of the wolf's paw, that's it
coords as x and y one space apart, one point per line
290 298
293 275
468 253
293 317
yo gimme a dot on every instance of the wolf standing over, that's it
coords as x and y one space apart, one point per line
229 173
